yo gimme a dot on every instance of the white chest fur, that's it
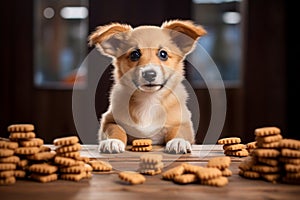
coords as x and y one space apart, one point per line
147 118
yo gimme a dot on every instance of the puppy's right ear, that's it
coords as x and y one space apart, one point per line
108 39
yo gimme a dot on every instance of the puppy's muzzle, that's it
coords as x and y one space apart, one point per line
149 78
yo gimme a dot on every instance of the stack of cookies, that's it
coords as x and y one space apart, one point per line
25 136
274 159
22 150
75 172
32 154
40 165
29 147
268 137
214 174
263 162
8 162
30 150
232 147
290 159
67 154
151 164
141 145
22 155
43 172
67 146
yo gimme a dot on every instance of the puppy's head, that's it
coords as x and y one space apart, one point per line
147 56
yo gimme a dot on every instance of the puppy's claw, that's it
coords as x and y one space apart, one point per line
111 146
178 146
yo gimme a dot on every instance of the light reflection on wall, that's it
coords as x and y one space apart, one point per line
60 44
222 20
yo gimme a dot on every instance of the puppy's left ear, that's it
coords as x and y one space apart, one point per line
184 33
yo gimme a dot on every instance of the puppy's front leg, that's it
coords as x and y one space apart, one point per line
112 137
179 138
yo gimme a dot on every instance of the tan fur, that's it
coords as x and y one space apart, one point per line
163 111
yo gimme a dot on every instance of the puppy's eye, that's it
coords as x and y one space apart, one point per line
163 55
135 55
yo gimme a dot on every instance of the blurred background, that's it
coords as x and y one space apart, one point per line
44 42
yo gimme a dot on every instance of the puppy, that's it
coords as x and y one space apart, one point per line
147 99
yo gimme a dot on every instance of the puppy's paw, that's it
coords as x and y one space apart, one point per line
177 146
111 146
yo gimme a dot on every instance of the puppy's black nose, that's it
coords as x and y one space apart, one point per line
149 75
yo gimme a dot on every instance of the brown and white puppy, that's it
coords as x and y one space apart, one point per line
147 99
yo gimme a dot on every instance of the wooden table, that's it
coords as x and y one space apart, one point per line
108 185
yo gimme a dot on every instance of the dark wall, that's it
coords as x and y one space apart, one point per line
265 65
136 13
292 57
16 64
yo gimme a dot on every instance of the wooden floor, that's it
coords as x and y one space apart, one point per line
108 185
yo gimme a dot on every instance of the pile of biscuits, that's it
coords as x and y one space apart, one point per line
274 159
232 147
43 172
215 173
73 166
151 164
141 145
8 162
19 151
290 159
22 155
67 158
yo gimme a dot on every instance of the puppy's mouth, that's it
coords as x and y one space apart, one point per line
150 87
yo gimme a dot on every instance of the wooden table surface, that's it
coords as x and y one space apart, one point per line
107 185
